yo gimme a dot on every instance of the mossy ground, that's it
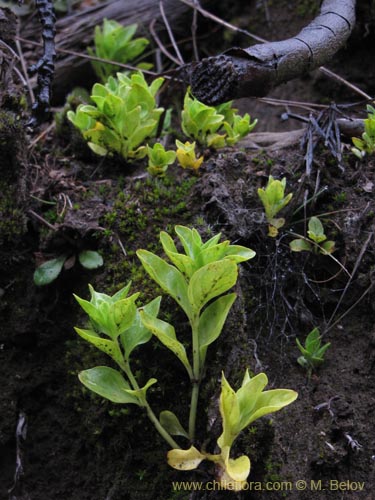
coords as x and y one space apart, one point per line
81 447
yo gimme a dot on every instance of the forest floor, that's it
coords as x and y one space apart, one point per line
57 442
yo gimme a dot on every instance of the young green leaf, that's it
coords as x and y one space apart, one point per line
171 424
167 336
300 245
137 333
49 271
108 383
212 320
210 281
185 459
167 277
108 346
90 259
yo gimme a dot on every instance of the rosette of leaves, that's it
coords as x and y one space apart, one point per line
238 410
187 156
124 116
115 42
274 199
366 145
313 351
117 330
50 270
214 127
197 279
159 159
316 242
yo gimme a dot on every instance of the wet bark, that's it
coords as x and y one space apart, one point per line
254 71
44 68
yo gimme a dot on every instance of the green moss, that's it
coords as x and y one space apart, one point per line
12 218
12 141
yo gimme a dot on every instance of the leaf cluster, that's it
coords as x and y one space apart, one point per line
50 270
159 159
116 329
366 145
124 115
274 199
197 275
313 351
318 240
214 127
187 156
114 42
238 410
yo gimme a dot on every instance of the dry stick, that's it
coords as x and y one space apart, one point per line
160 44
254 71
91 58
194 29
350 308
170 34
358 261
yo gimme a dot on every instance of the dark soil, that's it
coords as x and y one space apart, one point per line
57 442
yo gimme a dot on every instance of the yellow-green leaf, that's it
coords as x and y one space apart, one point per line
185 459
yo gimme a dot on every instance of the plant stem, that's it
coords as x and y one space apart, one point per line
151 415
197 375
193 410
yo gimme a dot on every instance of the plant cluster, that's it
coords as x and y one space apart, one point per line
274 199
198 279
313 351
187 157
366 145
50 270
114 42
316 242
159 159
124 116
214 127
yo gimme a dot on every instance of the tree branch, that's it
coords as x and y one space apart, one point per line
254 71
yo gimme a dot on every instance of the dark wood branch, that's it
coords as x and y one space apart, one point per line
254 71
44 68
75 32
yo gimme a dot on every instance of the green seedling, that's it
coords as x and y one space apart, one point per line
159 159
198 278
123 118
366 145
274 199
214 127
116 329
316 242
313 352
201 273
187 157
238 410
114 42
50 270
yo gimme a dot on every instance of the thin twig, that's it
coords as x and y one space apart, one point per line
217 19
194 28
25 72
91 58
161 45
42 220
42 135
170 34
335 76
358 261
316 245
350 308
